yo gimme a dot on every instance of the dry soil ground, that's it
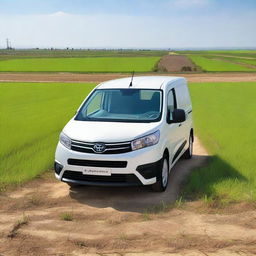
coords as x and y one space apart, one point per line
175 63
45 217
96 78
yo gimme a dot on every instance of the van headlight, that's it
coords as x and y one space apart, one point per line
65 140
146 141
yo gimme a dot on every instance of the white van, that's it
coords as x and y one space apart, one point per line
127 132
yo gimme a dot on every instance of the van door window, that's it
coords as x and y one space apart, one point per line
171 103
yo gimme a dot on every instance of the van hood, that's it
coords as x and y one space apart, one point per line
90 131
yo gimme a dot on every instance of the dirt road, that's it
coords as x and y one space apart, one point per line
45 217
97 78
175 63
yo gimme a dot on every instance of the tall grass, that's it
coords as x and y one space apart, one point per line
224 115
92 64
31 117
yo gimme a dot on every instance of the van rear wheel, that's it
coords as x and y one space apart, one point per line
162 177
189 152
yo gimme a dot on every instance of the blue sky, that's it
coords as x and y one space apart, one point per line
128 23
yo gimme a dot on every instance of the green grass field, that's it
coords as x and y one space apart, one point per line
61 53
95 64
33 114
89 61
240 60
223 60
213 65
224 115
240 53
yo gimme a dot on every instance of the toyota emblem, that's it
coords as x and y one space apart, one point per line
99 147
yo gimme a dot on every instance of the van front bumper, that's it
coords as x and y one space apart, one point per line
127 169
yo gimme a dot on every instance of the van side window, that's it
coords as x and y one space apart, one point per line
171 102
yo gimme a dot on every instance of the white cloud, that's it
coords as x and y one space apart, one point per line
59 14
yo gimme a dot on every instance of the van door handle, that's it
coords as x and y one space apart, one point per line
180 124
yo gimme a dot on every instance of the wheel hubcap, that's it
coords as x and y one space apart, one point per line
165 173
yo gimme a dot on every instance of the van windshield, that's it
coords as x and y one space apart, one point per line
122 105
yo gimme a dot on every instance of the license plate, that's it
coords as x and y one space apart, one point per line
97 172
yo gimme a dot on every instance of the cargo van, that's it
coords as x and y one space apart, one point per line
127 132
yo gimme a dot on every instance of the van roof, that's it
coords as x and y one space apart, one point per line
140 82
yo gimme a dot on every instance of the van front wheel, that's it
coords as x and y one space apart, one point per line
162 177
72 185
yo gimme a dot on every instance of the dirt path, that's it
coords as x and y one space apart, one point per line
120 221
175 63
97 78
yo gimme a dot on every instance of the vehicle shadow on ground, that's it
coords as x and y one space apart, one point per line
203 181
138 199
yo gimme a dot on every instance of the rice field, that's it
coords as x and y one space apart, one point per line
77 53
238 53
223 60
250 61
33 114
120 61
224 115
216 64
90 64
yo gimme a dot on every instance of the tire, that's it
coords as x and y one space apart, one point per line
72 185
162 177
189 152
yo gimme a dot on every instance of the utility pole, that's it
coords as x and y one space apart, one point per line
7 43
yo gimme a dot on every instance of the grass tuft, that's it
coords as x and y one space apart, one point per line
122 237
158 208
23 221
146 216
66 216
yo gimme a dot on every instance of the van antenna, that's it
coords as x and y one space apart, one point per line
132 79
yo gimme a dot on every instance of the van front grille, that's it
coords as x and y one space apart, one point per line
114 178
96 163
111 148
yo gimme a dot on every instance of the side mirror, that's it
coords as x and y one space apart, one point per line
178 116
